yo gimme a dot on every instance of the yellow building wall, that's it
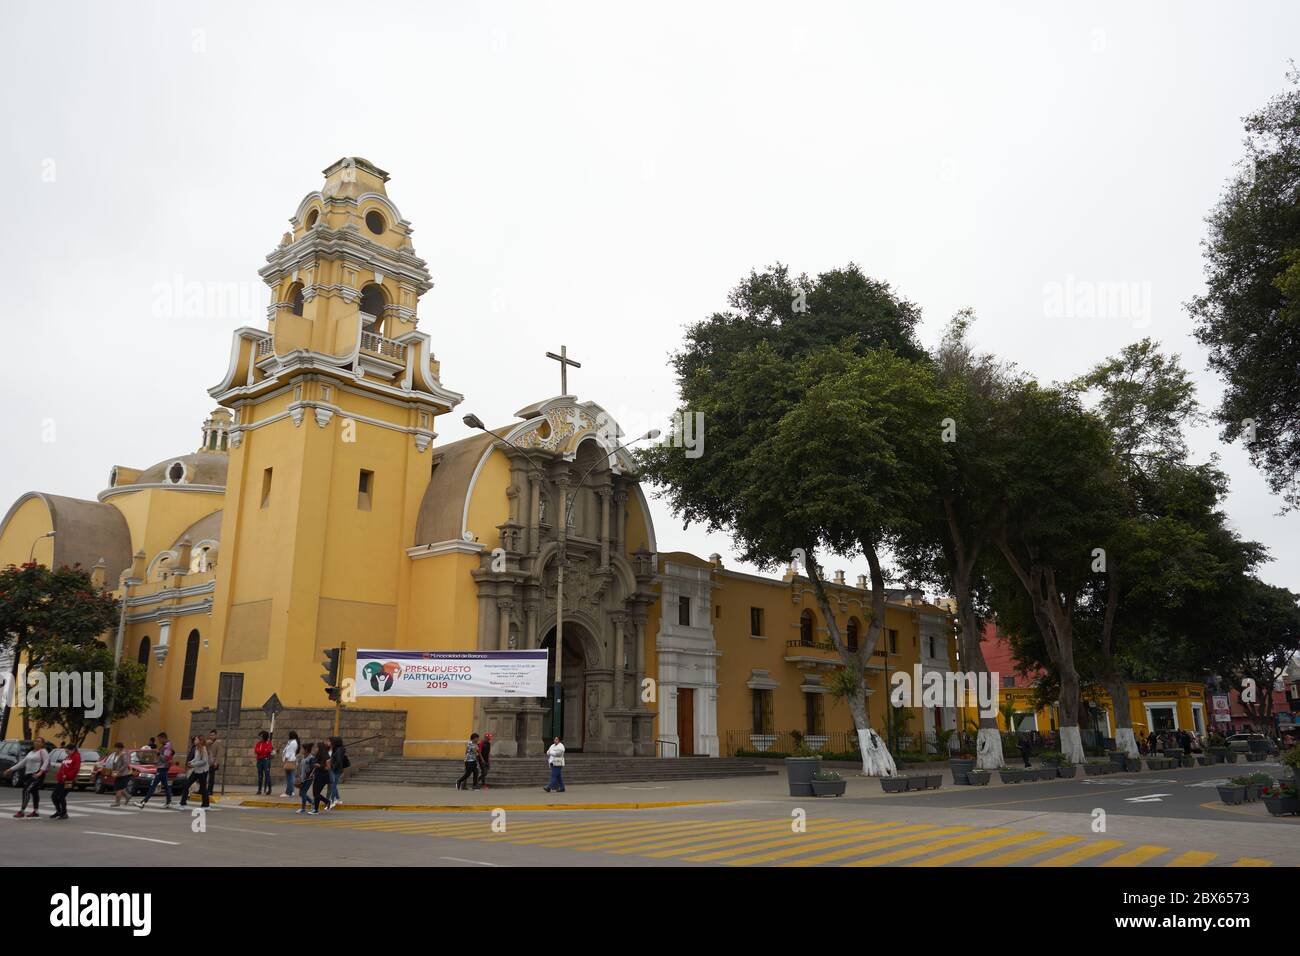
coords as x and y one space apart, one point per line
1181 695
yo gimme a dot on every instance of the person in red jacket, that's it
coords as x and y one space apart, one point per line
262 750
63 781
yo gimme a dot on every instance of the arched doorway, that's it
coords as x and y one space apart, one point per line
574 678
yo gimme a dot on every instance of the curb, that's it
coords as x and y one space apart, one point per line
486 808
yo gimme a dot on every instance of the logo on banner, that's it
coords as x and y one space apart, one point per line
382 676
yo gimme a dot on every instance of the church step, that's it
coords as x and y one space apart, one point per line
580 768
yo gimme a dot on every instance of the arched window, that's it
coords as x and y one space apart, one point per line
372 304
296 298
853 634
191 666
806 627
142 656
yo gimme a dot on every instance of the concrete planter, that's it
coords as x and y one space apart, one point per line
960 768
1014 776
1282 806
1203 761
829 788
1232 795
978 778
1067 773
895 784
1117 757
799 773
934 781
1094 769
1188 760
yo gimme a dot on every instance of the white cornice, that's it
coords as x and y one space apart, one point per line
452 546
165 486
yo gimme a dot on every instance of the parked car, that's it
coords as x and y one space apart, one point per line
86 775
1240 743
12 751
143 765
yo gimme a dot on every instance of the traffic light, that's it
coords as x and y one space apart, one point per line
330 667
333 692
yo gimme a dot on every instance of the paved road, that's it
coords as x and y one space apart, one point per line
1047 824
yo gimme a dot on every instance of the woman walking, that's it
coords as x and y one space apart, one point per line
198 764
306 770
338 763
66 776
555 757
31 773
118 766
262 750
289 759
320 778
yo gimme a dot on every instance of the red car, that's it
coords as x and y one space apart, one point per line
143 764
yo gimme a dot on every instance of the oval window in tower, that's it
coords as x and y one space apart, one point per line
375 223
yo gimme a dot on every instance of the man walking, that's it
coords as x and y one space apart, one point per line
215 749
162 771
31 773
471 763
119 767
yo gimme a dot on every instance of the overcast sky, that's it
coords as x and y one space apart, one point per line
599 175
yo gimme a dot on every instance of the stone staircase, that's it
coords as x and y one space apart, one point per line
578 769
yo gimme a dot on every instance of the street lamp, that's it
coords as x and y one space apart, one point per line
557 686
31 557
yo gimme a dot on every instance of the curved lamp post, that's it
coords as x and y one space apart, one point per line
557 686
31 556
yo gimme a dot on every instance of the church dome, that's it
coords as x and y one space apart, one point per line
197 468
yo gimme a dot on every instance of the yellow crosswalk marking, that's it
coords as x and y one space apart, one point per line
919 832
1192 858
754 836
804 847
965 853
1087 852
734 828
591 830
1252 861
1024 853
908 852
839 829
637 832
1135 857
683 832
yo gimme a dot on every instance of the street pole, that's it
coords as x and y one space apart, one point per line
338 690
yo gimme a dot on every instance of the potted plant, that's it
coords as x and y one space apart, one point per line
1066 770
1232 793
828 783
1117 757
799 769
1281 799
1203 760
1259 782
1292 759
894 784
934 780
978 778
961 763
1013 774
1132 764
1094 768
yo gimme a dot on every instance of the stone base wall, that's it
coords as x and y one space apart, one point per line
368 736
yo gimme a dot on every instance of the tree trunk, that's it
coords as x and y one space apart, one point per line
1117 687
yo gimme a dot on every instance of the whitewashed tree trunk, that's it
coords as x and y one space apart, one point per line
1125 741
876 758
1072 745
988 750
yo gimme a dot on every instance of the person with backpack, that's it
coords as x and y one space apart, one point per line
31 772
198 763
289 762
262 751
306 771
66 776
471 763
161 772
320 778
338 763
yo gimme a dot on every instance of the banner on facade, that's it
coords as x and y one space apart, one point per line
1222 715
451 673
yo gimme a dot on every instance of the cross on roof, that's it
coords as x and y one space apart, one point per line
565 362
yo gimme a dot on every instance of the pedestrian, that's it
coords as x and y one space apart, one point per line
306 769
320 778
1025 748
31 773
64 778
289 761
555 757
262 750
198 766
1187 743
216 750
1151 742
484 759
161 773
471 763
119 767
151 745
338 763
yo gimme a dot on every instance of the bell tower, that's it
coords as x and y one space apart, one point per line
332 411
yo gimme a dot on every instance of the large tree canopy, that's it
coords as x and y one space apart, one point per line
1249 316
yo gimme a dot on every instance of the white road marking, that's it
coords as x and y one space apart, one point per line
242 830
456 859
1148 798
127 836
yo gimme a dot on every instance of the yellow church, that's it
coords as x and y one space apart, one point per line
319 511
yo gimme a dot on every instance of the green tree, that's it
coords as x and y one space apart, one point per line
1249 316
42 609
120 691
